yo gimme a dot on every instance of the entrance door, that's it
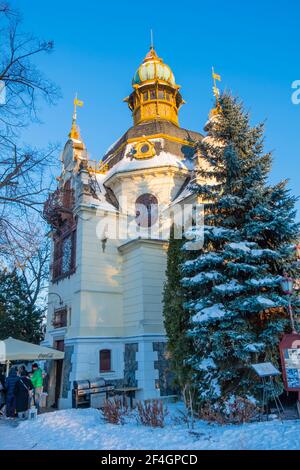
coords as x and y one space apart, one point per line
60 345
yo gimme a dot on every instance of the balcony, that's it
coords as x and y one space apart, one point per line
59 207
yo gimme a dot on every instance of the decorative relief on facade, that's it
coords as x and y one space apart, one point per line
143 149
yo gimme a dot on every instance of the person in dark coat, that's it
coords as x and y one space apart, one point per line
2 376
23 369
10 383
22 393
2 391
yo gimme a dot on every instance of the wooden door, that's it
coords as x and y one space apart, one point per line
60 345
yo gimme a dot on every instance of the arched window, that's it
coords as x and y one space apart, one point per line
105 360
146 207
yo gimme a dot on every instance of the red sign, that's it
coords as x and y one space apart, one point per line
290 361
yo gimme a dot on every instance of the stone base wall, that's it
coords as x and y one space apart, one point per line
142 363
130 367
67 369
165 381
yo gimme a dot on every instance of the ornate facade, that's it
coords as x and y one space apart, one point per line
105 297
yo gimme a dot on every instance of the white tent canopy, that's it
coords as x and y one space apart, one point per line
15 350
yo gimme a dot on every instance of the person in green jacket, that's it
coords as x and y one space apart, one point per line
37 382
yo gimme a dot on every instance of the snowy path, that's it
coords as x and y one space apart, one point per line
84 429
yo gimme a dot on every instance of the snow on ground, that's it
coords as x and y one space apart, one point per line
85 429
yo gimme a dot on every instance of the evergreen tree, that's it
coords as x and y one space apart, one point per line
18 317
233 296
176 318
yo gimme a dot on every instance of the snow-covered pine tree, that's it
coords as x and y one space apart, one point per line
233 296
176 318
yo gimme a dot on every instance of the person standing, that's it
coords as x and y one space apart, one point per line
23 392
2 391
10 383
23 371
37 382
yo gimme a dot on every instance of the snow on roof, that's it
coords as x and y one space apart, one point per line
112 146
101 201
163 159
76 141
187 192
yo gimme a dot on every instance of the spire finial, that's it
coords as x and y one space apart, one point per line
151 39
74 134
216 91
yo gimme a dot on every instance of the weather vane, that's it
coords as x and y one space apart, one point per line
74 134
79 103
216 77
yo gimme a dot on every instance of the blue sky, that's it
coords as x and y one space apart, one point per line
98 46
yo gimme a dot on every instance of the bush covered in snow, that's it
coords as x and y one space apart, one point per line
236 411
114 411
152 413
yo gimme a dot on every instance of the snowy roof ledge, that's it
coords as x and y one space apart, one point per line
130 244
97 205
164 160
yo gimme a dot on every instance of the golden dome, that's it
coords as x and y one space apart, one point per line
153 68
156 95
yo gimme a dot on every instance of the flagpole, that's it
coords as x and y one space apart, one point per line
75 107
214 77
151 39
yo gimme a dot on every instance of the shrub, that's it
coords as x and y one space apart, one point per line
114 411
152 413
233 411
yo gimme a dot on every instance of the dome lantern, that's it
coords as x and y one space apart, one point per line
155 95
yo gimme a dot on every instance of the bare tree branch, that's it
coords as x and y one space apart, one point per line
25 173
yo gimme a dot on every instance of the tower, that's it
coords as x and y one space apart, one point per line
105 295
155 95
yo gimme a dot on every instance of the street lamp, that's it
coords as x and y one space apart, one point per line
60 299
287 286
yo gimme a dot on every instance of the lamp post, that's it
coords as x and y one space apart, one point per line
60 299
287 286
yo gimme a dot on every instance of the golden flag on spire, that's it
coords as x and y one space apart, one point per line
216 90
75 134
216 76
216 93
78 102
